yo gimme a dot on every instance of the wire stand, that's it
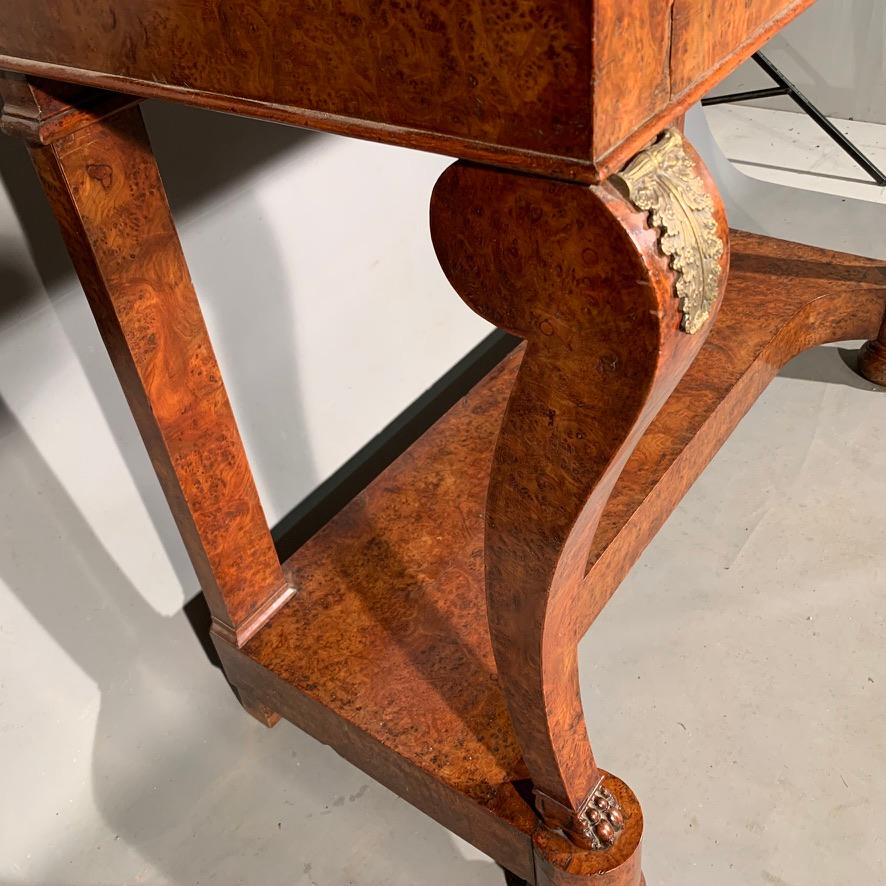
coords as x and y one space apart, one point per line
786 87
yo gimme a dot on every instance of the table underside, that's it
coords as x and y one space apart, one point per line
384 651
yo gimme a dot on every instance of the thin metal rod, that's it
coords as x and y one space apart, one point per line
750 96
876 174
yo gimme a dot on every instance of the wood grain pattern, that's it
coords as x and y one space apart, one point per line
512 73
558 864
622 100
385 652
579 274
569 89
105 190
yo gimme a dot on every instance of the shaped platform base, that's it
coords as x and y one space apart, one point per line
383 652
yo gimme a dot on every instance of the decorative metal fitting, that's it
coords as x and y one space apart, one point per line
596 825
663 181
602 822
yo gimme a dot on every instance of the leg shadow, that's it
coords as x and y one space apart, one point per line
189 785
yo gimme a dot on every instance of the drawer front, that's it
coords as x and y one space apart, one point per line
514 73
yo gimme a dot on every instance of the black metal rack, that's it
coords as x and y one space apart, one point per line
786 87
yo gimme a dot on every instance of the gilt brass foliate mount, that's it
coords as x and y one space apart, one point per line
663 181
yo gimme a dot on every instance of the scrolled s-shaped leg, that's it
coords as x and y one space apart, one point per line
614 288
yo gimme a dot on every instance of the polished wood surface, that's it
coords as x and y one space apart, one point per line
385 653
104 188
571 88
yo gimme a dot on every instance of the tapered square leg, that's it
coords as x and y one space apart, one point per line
95 162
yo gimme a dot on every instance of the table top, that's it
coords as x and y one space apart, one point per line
566 87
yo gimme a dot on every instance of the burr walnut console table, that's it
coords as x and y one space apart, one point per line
428 633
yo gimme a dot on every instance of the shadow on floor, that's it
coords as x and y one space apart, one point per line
828 364
188 784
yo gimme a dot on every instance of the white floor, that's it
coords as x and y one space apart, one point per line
736 681
791 149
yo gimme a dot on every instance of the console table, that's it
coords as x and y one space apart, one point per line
428 633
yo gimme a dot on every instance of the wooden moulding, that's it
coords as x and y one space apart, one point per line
384 652
43 111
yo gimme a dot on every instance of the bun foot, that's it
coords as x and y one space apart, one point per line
872 362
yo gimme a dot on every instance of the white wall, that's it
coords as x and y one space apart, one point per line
835 52
312 259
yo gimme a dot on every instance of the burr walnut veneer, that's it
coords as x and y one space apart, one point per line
428 632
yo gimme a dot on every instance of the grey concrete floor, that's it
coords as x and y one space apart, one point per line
736 682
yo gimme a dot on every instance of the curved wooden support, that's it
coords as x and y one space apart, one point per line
579 273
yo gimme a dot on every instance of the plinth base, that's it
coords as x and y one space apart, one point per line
383 652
